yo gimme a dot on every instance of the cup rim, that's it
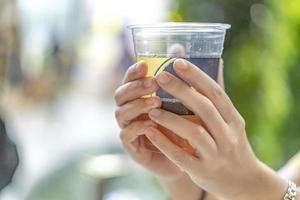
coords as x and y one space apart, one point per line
180 26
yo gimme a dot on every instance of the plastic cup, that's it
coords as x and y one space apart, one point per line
159 45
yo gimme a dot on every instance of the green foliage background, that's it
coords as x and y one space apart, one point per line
262 67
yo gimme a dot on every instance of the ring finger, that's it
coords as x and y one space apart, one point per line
196 102
196 135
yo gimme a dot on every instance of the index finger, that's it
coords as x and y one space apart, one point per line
135 72
208 87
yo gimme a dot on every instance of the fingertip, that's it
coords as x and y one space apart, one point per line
181 64
135 71
141 67
142 62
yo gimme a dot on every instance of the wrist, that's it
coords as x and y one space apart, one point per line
267 184
291 170
182 188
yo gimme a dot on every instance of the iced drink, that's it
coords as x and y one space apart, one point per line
159 45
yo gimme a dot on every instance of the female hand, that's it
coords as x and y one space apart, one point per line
225 164
130 105
291 170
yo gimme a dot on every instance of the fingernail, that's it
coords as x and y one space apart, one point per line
148 83
181 64
154 112
163 78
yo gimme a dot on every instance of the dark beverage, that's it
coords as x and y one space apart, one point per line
159 45
208 65
158 64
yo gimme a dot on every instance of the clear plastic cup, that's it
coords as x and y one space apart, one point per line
159 45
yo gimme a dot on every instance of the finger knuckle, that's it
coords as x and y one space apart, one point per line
122 136
228 149
119 117
241 123
118 113
206 105
117 95
232 150
217 92
233 142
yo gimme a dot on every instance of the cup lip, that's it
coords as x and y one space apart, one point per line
180 26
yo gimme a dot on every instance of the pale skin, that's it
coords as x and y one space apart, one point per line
223 153
291 170
130 105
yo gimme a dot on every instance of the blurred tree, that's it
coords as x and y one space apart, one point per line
10 66
261 59
290 35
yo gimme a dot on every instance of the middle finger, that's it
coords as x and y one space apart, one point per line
208 87
196 102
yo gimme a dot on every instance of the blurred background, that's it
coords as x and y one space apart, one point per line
60 62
